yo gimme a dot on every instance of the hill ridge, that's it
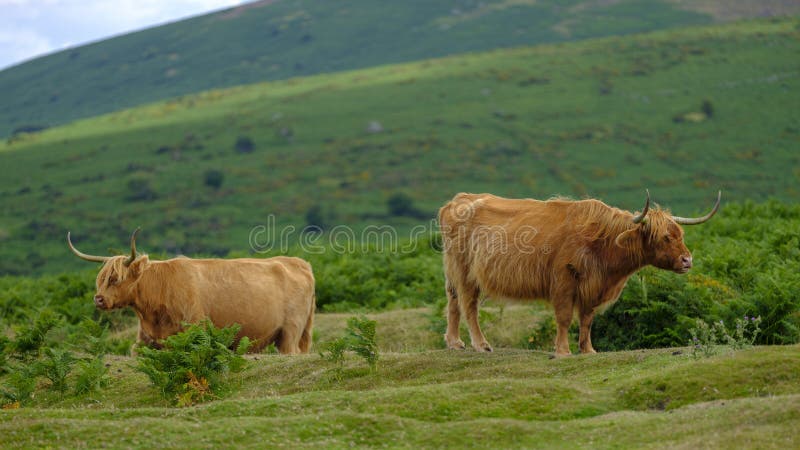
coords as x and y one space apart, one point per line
279 40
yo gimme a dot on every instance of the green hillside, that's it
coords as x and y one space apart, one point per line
682 112
424 398
269 40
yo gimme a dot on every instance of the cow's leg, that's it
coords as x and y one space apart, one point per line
585 339
288 349
143 340
563 312
289 341
452 337
468 298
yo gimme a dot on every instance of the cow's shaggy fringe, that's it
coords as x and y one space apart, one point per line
114 268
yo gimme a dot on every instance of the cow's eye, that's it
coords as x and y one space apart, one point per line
666 239
112 280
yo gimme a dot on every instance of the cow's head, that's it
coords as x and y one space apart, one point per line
657 237
116 282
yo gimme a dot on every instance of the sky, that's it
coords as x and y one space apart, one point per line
31 28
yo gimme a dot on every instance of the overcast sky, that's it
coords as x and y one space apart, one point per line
31 28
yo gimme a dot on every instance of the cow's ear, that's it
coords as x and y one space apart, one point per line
627 239
138 266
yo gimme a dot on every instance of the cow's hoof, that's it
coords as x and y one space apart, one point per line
455 344
590 351
484 347
561 354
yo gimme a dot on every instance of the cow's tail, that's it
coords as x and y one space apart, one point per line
306 337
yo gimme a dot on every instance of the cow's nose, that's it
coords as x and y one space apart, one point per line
687 261
100 301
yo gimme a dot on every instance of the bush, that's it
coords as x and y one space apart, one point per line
30 339
55 366
244 144
18 387
401 204
194 364
373 279
706 338
50 347
213 178
359 338
29 128
4 344
708 108
543 337
140 190
315 219
93 337
91 376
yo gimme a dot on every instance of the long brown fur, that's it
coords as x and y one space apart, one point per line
575 254
271 299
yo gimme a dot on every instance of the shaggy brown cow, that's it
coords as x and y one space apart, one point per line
272 299
576 254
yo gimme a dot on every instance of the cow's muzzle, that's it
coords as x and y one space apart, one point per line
100 302
685 264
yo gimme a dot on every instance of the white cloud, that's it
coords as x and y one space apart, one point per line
30 28
18 45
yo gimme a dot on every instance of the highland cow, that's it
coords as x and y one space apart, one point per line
271 299
576 254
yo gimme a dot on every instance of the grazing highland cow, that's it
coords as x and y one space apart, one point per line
271 299
576 254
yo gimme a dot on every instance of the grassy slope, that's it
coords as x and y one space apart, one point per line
438 398
277 40
589 118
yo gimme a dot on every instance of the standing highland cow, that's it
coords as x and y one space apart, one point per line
576 254
271 299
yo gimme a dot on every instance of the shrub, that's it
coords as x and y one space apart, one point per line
4 344
543 337
401 204
18 387
368 278
194 363
91 375
359 338
708 108
437 322
139 189
706 338
213 178
655 310
315 219
93 337
55 366
28 128
244 145
30 339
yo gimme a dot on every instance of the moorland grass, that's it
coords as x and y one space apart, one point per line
440 398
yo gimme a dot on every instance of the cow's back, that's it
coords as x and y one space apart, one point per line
508 248
261 295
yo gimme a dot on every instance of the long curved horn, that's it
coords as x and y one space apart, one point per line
133 247
640 217
84 255
698 220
